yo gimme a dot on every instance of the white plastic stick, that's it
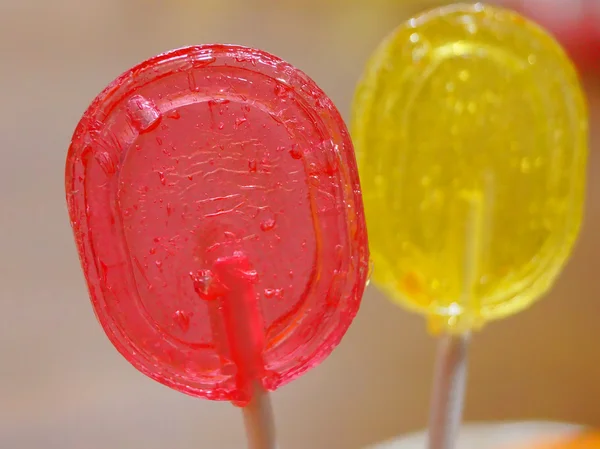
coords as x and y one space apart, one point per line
448 393
259 421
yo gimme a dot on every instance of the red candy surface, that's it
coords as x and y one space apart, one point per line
202 158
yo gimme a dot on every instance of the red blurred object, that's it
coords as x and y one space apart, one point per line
204 159
575 23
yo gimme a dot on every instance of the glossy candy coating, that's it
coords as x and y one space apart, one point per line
210 157
470 128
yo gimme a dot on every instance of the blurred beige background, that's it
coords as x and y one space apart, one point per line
63 386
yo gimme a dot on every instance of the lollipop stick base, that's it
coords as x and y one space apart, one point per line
258 418
448 391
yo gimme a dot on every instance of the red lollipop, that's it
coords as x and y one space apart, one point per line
215 202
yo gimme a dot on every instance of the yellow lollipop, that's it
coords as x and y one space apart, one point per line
471 132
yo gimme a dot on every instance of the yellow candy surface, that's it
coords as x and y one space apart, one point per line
470 127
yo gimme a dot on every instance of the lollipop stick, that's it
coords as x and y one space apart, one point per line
450 375
258 417
448 391
244 329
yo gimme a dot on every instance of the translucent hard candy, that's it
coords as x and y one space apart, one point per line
470 128
202 161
